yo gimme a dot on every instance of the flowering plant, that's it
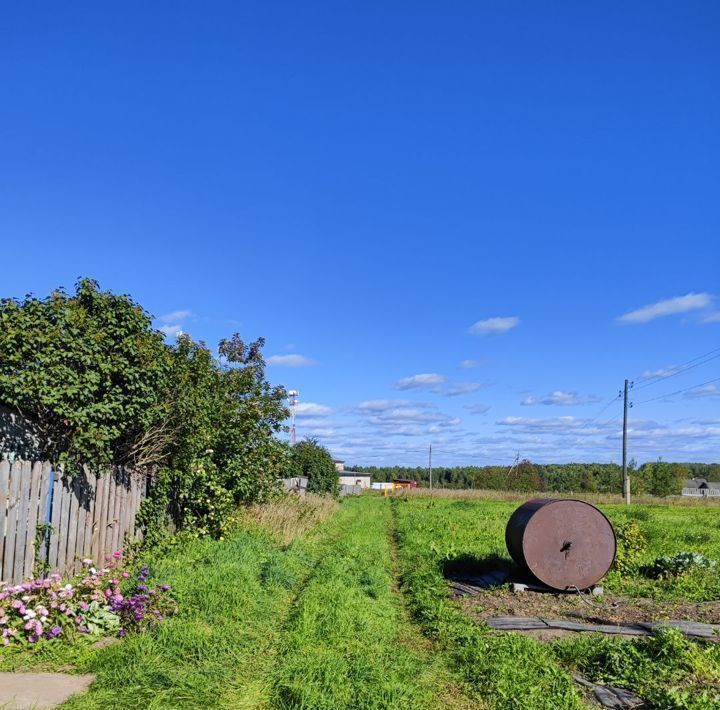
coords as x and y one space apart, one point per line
102 601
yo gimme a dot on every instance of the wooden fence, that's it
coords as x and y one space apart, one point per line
51 520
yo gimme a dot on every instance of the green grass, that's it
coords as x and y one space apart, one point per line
503 671
511 671
348 643
350 609
317 623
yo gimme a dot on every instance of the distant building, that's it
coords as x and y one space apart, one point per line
339 464
381 486
404 483
701 487
354 478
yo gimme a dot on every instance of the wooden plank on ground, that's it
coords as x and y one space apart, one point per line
32 518
22 521
56 503
4 494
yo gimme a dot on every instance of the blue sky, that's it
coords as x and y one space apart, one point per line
438 214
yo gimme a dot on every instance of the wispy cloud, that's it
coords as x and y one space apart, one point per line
713 317
662 372
493 325
381 405
171 331
478 408
175 316
312 409
427 380
293 360
668 307
470 364
701 392
461 388
561 399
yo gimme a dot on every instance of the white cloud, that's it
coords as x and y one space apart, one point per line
462 388
175 316
713 317
493 325
701 392
550 423
311 409
561 399
668 307
380 405
477 408
290 361
422 381
662 372
470 364
171 331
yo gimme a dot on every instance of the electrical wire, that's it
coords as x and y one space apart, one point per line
685 389
684 367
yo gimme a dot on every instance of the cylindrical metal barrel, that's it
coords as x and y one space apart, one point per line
562 543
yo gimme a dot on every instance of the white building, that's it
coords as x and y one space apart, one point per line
353 478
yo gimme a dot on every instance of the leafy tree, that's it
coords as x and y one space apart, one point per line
222 451
86 370
663 478
314 461
100 386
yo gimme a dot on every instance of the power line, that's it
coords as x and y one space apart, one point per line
611 401
685 389
684 367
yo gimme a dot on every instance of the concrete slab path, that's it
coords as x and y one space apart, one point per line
23 691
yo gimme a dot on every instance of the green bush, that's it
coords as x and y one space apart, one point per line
631 545
681 563
310 459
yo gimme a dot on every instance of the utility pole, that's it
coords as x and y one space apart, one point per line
430 464
626 478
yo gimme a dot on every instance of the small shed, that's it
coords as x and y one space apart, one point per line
354 478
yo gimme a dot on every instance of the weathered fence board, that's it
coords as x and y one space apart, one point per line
13 502
89 515
4 493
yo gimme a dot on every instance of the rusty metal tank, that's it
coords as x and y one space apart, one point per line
563 543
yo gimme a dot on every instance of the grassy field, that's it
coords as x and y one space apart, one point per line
325 605
512 671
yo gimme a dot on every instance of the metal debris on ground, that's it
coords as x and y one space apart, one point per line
609 696
691 629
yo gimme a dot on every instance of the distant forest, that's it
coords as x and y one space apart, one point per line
656 478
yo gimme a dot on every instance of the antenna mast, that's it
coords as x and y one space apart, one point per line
293 396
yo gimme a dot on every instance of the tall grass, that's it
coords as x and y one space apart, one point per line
290 516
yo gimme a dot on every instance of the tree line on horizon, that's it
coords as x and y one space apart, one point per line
660 478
